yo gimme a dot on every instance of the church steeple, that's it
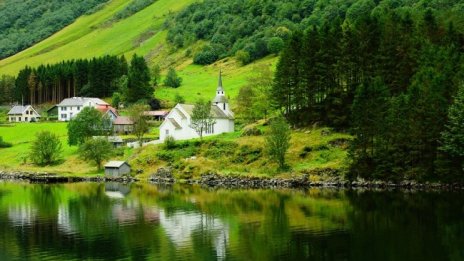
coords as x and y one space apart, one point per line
220 89
221 100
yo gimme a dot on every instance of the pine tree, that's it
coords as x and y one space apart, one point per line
453 136
139 81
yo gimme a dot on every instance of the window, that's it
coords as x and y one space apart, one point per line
19 119
64 116
25 118
71 115
167 132
78 108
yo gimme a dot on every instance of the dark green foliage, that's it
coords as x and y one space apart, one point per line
96 150
387 73
172 80
98 77
87 123
24 23
4 144
7 89
46 149
453 135
138 86
132 8
254 27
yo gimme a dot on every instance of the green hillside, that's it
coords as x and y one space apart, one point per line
142 33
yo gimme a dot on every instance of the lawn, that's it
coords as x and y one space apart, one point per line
22 135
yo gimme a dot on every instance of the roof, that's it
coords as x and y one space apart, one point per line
155 113
174 122
19 109
79 101
216 112
123 120
220 99
106 108
115 164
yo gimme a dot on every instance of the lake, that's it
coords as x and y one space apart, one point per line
91 221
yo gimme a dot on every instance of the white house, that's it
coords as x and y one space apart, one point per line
23 114
177 123
70 107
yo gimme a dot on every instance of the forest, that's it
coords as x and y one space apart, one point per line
24 23
97 77
394 79
251 30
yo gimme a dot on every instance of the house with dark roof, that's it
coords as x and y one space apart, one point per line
21 113
123 125
177 123
70 107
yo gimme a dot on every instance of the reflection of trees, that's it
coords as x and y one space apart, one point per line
407 226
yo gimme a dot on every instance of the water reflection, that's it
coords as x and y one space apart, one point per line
115 221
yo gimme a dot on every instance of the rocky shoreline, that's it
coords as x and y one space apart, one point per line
164 176
35 177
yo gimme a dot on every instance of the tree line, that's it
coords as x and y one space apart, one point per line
387 77
96 77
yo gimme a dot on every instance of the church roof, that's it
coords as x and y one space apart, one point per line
216 112
220 99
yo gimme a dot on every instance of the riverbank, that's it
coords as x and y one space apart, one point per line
43 177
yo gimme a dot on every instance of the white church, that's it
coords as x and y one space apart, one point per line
177 123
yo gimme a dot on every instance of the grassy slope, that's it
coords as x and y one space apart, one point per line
142 33
231 154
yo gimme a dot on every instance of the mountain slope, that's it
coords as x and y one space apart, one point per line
142 33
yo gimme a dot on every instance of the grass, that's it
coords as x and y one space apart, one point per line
144 34
231 154
22 135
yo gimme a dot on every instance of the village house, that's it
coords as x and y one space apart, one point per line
23 114
156 115
123 125
70 107
117 168
177 123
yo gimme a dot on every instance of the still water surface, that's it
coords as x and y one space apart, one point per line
90 221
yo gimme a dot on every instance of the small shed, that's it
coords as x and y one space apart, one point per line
117 168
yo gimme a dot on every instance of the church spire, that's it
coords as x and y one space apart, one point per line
219 88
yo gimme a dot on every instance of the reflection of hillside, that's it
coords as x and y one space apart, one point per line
182 226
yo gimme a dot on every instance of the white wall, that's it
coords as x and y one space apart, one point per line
66 113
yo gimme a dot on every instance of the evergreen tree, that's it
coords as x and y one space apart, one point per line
138 87
172 80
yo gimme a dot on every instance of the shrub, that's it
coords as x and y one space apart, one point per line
251 131
172 80
4 144
275 45
169 143
96 150
243 57
46 149
278 141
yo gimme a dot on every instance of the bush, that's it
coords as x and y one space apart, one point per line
169 143
4 144
205 56
172 80
275 45
243 57
251 131
46 149
96 150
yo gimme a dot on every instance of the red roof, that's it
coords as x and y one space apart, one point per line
105 108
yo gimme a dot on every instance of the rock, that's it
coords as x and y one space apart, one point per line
251 131
325 132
